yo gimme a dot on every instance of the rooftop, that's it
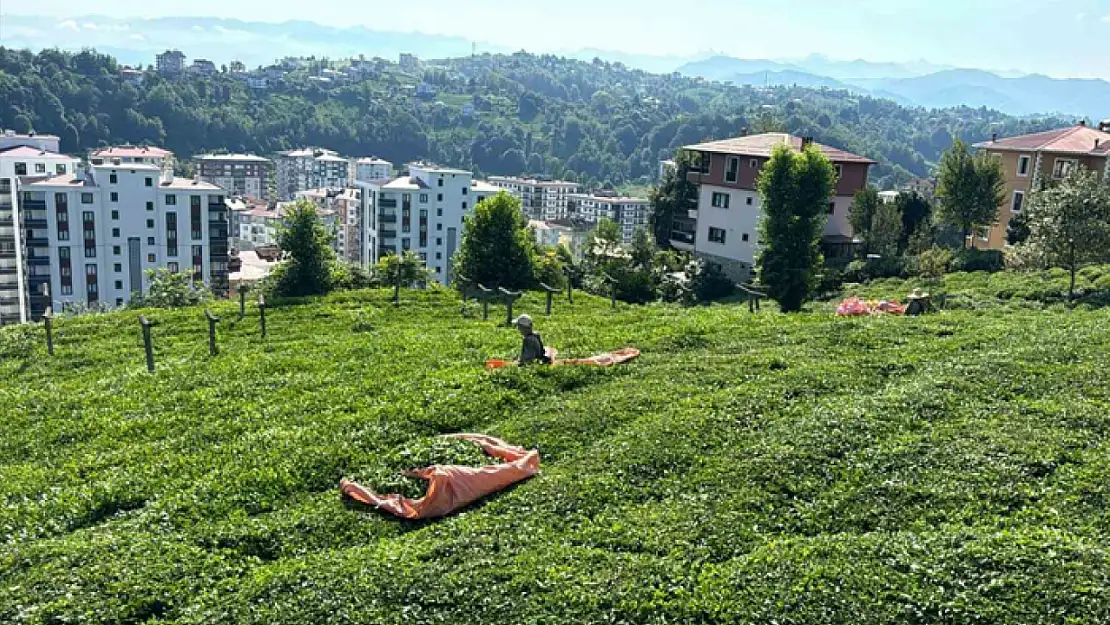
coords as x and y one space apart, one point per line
534 181
432 168
405 183
613 199
1076 139
373 161
245 158
306 152
23 151
11 134
763 145
131 151
481 186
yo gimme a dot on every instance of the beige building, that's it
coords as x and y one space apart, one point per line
1030 159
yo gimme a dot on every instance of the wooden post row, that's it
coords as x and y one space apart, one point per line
262 313
509 297
48 319
146 323
212 321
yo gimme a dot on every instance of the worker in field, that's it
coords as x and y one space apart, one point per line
532 350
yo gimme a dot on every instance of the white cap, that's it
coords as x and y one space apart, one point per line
523 320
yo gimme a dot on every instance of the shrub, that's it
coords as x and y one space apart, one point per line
978 260
171 290
933 262
875 268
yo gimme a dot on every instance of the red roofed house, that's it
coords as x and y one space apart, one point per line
723 228
1029 159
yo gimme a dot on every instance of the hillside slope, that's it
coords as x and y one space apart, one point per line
747 469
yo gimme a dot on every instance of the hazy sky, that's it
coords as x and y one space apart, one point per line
1056 37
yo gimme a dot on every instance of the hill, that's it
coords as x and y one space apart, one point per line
747 469
596 122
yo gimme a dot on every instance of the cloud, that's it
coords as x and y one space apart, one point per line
68 25
1106 18
90 26
197 28
136 37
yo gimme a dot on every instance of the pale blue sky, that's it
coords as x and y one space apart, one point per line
1056 37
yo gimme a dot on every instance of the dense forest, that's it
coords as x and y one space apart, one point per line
597 123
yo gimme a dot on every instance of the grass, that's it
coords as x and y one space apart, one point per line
747 469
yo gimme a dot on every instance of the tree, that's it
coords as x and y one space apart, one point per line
307 269
170 290
1017 230
916 211
886 231
675 195
969 188
643 248
404 270
497 249
795 189
1069 224
862 213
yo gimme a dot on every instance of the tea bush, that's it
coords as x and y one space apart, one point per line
747 468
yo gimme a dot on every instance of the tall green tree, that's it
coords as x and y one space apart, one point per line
886 230
916 211
1069 224
970 189
497 249
675 195
862 213
402 270
795 188
307 268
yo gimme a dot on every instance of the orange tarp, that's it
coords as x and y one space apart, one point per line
607 359
855 307
451 487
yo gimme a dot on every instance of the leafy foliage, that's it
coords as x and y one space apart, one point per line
170 290
969 188
674 195
497 249
308 265
403 270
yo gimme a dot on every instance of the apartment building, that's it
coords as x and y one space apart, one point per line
333 207
722 228
244 175
544 200
422 212
309 168
373 169
170 62
1028 161
133 154
11 139
23 222
628 212
103 227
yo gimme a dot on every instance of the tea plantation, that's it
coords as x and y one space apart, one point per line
746 469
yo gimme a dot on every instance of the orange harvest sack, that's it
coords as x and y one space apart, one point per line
607 359
451 487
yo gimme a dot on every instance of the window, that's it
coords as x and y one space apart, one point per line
115 214
465 190
716 235
63 253
744 237
439 212
439 226
439 197
40 168
150 223
60 169
119 285
115 232
119 301
748 201
150 206
839 172
720 200
831 209
150 258
86 198
732 169
439 269
171 200
464 205
439 255
439 240
406 243
753 163
21 169
1023 166
118 268
90 252
67 289
423 198
1017 202
88 216
114 196
113 179
1063 167
440 181
173 268
149 181
116 250
150 240
984 233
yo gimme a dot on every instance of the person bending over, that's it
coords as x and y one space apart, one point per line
532 351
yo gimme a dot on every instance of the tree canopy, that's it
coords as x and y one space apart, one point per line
497 249
969 187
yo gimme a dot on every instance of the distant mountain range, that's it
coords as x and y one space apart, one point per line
919 83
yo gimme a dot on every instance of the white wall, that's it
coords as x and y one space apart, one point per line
737 220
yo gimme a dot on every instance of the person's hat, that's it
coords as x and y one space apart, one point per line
523 321
917 294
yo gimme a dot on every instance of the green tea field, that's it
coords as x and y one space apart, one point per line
758 469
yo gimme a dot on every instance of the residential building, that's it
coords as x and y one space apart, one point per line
665 166
565 232
925 187
11 139
238 174
107 225
133 154
334 207
1028 161
253 223
131 75
309 168
252 268
544 200
423 212
723 227
23 223
628 212
203 67
373 169
888 197
236 67
408 62
170 62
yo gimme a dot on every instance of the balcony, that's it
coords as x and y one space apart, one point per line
38 242
38 260
387 219
387 203
387 234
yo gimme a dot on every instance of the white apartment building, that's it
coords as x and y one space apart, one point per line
23 224
629 212
11 139
170 62
244 175
107 225
422 212
309 168
373 169
139 154
545 200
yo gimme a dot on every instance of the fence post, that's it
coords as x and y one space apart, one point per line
612 290
242 301
212 321
509 297
262 312
146 323
570 284
549 291
48 319
484 295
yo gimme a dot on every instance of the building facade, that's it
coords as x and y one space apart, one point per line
107 225
1030 160
23 224
723 227
133 154
422 212
544 200
629 213
373 169
309 168
12 139
244 175
170 62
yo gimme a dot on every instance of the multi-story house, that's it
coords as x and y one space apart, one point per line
1029 161
723 227
11 139
373 169
245 175
335 208
170 62
422 212
628 212
309 168
127 154
107 225
203 67
23 223
544 200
